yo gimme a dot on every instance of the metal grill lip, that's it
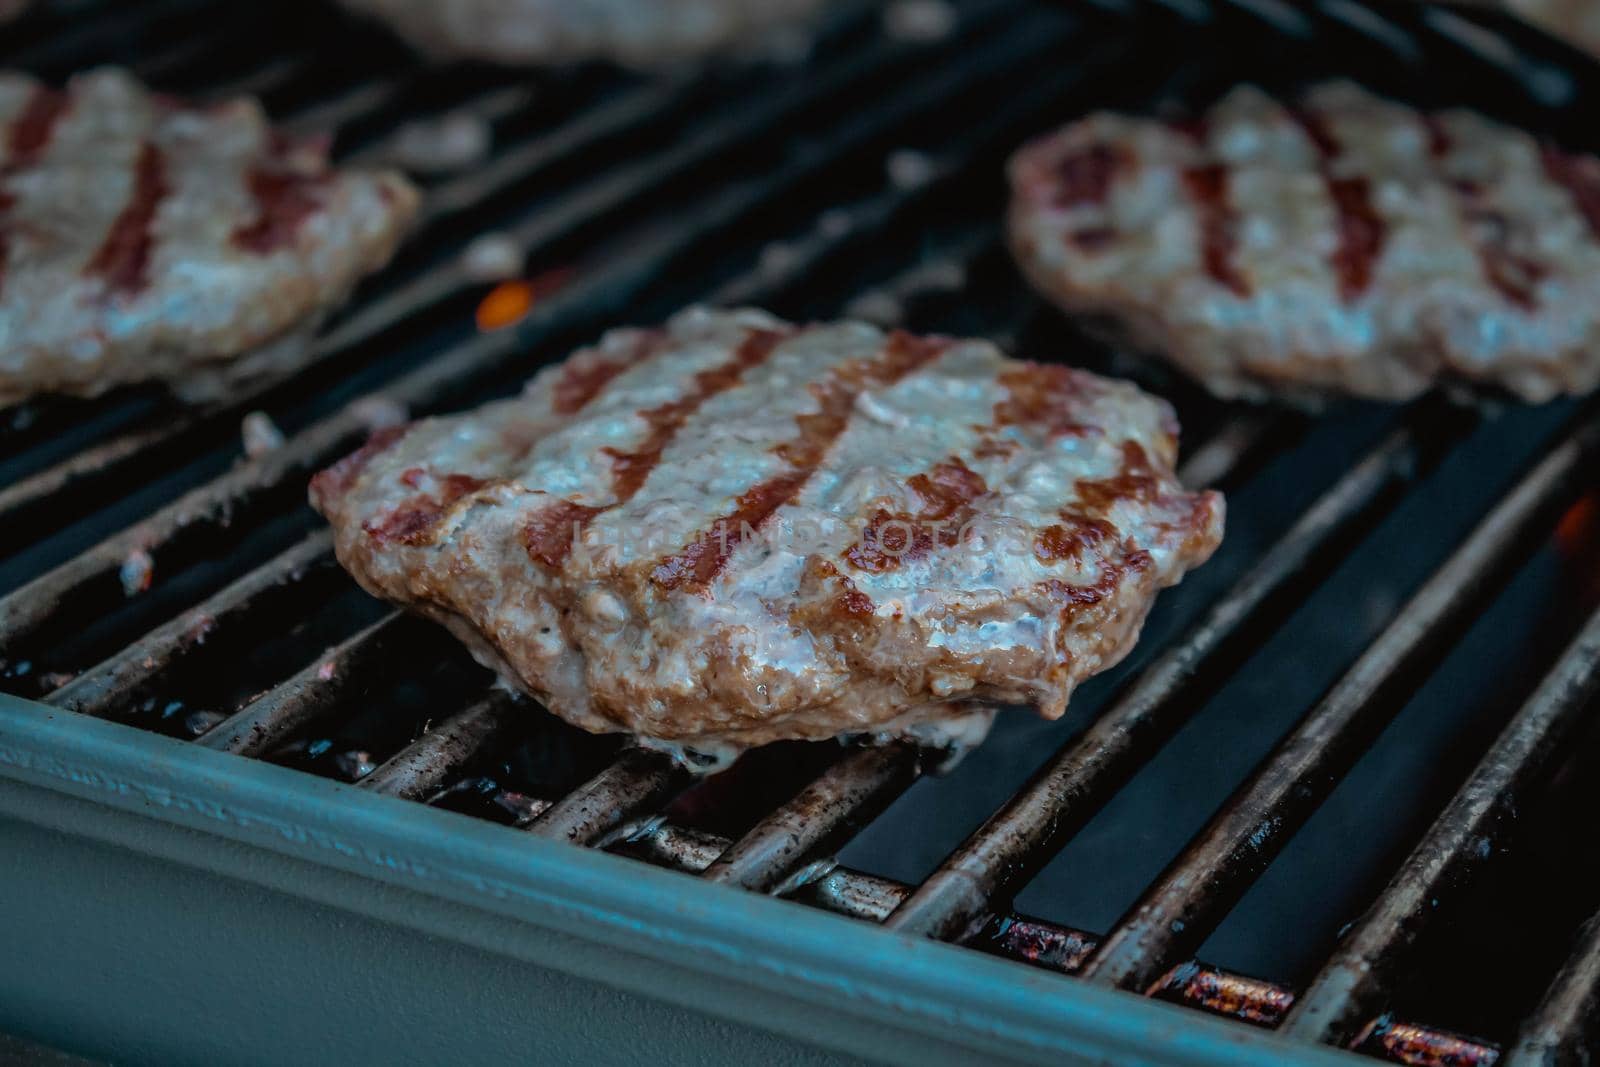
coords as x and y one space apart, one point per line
462 864
789 853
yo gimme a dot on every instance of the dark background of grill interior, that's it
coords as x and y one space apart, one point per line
1488 958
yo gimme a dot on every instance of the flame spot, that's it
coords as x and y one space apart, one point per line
1575 533
510 302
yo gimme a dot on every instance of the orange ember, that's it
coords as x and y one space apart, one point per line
509 302
1577 530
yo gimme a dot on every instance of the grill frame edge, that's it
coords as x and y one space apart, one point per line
550 913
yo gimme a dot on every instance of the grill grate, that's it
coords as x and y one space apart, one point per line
644 193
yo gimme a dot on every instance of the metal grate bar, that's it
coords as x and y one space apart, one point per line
208 39
859 895
270 719
117 679
850 793
1349 989
169 58
825 814
638 779
108 686
1562 1030
105 462
271 75
177 530
1424 1047
470 190
88 37
114 683
1184 905
257 481
1018 840
490 107
424 766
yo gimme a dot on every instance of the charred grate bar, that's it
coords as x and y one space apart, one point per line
637 194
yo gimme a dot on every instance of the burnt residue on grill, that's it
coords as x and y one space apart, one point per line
152 574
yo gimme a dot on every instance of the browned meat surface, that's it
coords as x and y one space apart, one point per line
634 32
142 239
1343 244
731 530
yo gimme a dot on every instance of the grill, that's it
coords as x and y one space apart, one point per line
1346 756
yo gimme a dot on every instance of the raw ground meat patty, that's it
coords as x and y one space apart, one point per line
142 239
1343 244
633 32
732 530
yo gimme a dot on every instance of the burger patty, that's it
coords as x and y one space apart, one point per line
1341 244
633 32
731 530
142 239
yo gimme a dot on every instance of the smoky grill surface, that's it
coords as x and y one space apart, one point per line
1349 759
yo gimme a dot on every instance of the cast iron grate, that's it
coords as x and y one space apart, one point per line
864 178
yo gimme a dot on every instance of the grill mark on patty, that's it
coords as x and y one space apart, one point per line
284 201
1044 395
26 141
1207 186
123 261
946 493
850 603
630 470
1071 597
1580 177
1085 175
333 482
413 522
1073 540
1085 528
699 562
35 125
1484 229
551 533
1087 531
582 381
1362 231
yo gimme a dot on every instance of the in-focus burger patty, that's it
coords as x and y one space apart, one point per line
143 239
1343 243
634 32
732 530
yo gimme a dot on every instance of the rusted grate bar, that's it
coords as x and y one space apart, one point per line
108 686
854 790
638 779
103 462
426 764
859 895
1184 905
594 298
90 36
1352 985
1563 1029
1018 840
848 794
267 721
520 164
